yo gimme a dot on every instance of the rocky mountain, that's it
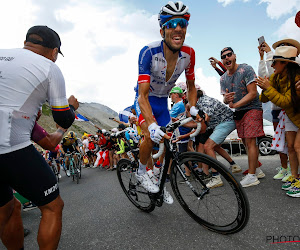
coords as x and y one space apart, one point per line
97 114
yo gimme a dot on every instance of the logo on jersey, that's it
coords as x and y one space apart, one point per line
8 59
159 59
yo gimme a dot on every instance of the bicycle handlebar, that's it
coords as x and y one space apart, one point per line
172 127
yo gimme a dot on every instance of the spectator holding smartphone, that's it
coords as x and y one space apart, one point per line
266 70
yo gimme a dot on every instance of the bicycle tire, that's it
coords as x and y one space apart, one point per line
80 168
55 171
76 172
138 196
72 170
230 198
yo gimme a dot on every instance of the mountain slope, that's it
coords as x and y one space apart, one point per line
98 115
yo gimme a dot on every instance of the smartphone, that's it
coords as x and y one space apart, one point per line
110 118
261 40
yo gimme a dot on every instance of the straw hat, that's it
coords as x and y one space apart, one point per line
290 41
285 53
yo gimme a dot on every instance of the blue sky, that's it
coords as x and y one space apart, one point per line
101 39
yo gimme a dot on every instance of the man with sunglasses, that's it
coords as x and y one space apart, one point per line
160 65
240 93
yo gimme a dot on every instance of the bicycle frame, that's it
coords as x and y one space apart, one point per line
72 165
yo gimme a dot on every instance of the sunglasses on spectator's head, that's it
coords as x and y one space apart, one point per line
228 54
174 22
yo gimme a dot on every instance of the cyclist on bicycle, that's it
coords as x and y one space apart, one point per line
69 145
160 65
53 155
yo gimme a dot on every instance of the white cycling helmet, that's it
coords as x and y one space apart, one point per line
103 131
173 9
114 130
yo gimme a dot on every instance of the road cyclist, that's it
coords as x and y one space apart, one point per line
160 65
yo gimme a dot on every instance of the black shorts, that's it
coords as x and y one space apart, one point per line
202 138
27 172
182 147
70 148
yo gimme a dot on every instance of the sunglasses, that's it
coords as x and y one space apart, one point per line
273 62
174 22
228 54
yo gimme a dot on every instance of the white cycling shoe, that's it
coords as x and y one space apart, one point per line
146 183
167 197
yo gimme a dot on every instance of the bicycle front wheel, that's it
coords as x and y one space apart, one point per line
224 209
130 185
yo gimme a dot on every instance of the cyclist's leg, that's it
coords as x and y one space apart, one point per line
51 224
11 226
37 182
145 148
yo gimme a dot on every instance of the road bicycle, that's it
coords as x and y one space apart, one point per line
224 209
54 167
75 168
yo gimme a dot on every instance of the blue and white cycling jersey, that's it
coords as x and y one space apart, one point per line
152 69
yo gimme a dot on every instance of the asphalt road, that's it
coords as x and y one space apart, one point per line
97 215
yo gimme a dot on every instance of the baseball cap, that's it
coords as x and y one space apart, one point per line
50 37
227 49
176 90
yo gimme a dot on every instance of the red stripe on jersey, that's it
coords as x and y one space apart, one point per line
143 78
189 71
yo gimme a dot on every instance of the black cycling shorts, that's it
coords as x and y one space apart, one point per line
202 138
69 149
27 172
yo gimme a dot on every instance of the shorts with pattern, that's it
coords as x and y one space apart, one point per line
251 125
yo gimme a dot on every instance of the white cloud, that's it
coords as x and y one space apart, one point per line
227 2
289 29
101 52
210 84
100 43
278 8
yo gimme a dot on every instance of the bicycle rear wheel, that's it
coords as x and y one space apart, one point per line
76 172
224 209
130 185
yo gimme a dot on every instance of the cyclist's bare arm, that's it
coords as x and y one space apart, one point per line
144 104
192 92
192 95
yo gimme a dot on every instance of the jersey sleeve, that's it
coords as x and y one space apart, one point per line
145 58
249 75
57 90
38 133
190 70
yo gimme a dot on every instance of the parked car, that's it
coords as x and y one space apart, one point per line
233 142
